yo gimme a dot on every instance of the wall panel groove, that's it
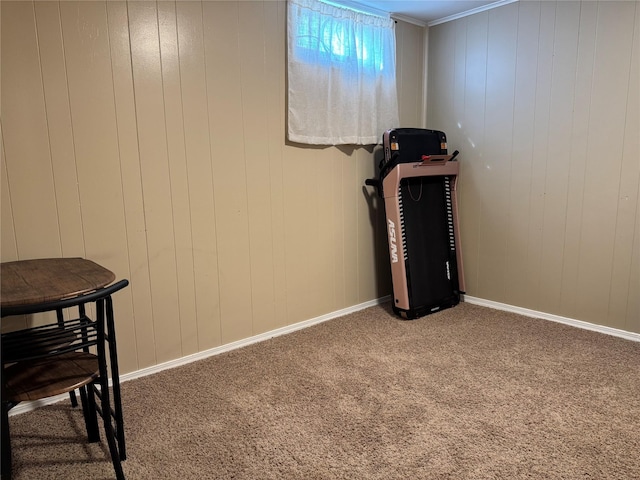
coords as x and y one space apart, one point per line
150 137
550 190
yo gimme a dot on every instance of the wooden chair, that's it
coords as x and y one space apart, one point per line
62 357
64 341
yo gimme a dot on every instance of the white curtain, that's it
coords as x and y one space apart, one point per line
341 75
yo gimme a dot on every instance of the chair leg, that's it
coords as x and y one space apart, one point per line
115 376
6 444
118 417
89 412
72 397
101 310
108 429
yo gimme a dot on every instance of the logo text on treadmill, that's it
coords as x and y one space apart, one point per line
393 247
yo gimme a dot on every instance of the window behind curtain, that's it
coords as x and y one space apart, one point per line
341 75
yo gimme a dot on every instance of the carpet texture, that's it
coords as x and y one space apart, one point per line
466 393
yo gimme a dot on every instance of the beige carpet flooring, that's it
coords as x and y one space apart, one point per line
466 393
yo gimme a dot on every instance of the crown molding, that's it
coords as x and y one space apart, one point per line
473 11
406 19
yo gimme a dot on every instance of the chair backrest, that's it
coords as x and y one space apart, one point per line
78 333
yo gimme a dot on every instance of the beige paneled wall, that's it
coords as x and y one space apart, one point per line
542 99
150 137
410 73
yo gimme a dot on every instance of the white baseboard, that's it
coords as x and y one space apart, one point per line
554 318
28 406
251 340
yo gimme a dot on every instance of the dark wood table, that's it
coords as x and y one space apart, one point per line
52 284
32 282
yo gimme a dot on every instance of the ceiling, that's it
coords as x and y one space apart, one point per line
425 11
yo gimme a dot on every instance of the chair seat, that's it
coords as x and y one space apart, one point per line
49 376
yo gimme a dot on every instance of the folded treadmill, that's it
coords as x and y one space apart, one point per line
417 180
